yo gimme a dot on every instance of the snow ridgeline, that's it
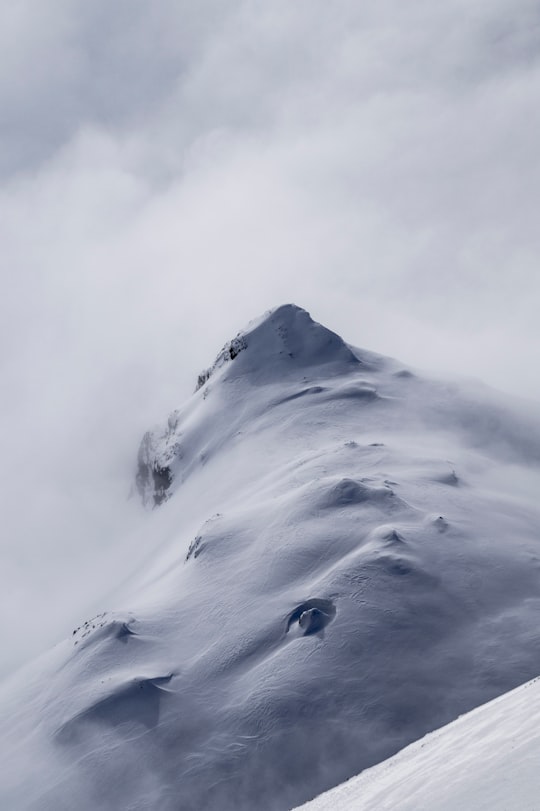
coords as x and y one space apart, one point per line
487 760
281 343
343 556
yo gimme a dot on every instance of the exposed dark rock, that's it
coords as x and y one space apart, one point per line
153 480
229 352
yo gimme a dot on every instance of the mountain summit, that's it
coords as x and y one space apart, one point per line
280 343
343 556
283 345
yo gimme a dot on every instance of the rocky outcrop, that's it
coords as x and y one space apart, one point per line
229 352
154 475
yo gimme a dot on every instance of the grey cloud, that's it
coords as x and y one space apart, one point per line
71 64
172 171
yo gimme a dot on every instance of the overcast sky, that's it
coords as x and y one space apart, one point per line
170 170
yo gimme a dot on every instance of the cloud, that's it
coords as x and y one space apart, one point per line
170 172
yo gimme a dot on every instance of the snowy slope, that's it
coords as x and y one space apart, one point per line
485 761
341 556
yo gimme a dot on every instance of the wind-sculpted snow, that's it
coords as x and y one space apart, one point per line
335 569
485 761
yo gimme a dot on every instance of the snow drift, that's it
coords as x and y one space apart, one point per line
485 761
342 556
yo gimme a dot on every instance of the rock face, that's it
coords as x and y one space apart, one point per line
153 479
348 558
229 352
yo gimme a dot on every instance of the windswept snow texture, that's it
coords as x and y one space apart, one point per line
342 556
486 761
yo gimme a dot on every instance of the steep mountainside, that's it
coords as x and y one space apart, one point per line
484 761
342 556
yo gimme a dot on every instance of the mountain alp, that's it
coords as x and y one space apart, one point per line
341 556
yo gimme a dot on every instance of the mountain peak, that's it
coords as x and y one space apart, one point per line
281 341
284 346
344 555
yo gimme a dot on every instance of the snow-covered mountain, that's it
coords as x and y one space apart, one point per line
485 761
341 556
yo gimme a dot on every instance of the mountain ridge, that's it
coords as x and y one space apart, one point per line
283 334
486 760
333 571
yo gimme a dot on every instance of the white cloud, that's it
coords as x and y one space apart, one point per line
168 173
